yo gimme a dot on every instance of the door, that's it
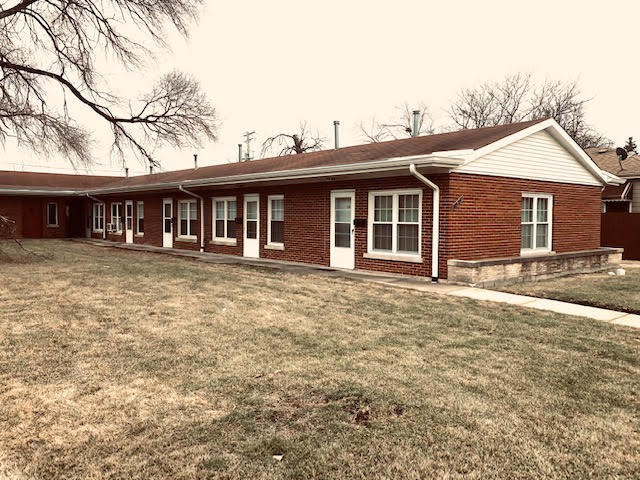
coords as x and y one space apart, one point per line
342 253
251 226
167 223
31 218
128 221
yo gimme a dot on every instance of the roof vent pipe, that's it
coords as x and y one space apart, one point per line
195 160
150 169
239 152
336 133
416 123
126 172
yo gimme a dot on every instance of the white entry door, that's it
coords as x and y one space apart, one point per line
342 254
128 221
251 226
167 223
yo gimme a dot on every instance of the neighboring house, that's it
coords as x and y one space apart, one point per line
624 197
475 206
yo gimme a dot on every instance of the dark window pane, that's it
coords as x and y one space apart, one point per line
52 214
129 223
167 209
277 231
167 225
183 227
252 230
141 225
219 228
231 228
408 238
343 235
193 227
382 236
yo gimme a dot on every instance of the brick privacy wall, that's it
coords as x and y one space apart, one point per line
486 224
13 208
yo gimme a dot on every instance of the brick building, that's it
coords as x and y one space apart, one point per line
515 194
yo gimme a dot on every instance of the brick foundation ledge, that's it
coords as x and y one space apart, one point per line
501 271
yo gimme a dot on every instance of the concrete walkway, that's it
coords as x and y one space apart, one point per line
397 281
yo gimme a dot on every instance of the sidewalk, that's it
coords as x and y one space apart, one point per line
397 281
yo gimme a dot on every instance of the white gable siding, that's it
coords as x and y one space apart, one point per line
635 198
537 157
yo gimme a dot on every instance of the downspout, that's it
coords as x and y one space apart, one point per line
435 232
201 214
104 215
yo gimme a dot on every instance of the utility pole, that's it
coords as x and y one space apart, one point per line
248 136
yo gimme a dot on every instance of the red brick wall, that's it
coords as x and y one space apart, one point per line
486 224
13 208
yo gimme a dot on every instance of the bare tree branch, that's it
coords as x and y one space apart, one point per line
400 126
294 143
63 37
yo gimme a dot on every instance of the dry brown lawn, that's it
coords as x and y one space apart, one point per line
118 364
594 289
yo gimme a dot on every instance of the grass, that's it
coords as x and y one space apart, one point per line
117 364
594 289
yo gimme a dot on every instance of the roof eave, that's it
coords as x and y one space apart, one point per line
434 161
38 192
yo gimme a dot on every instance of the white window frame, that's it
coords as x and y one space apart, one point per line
222 240
394 254
273 245
138 217
535 250
116 220
189 235
52 224
98 213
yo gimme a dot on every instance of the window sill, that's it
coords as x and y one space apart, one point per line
139 234
396 257
274 246
187 239
96 231
224 241
533 253
52 226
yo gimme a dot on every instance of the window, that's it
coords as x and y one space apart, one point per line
98 217
276 220
52 214
116 216
140 218
394 222
188 218
536 215
224 226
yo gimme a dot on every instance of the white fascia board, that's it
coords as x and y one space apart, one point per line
39 192
613 179
558 133
430 160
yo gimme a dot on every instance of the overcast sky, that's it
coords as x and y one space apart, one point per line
269 65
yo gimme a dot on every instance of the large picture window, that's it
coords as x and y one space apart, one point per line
116 216
224 219
188 218
536 214
52 214
276 220
98 217
140 218
395 222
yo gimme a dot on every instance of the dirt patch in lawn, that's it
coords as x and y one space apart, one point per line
119 364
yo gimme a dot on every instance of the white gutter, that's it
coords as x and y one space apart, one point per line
435 224
295 174
30 191
104 215
182 189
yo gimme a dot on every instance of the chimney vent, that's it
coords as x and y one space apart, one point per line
195 160
239 152
336 133
150 169
416 123
126 172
